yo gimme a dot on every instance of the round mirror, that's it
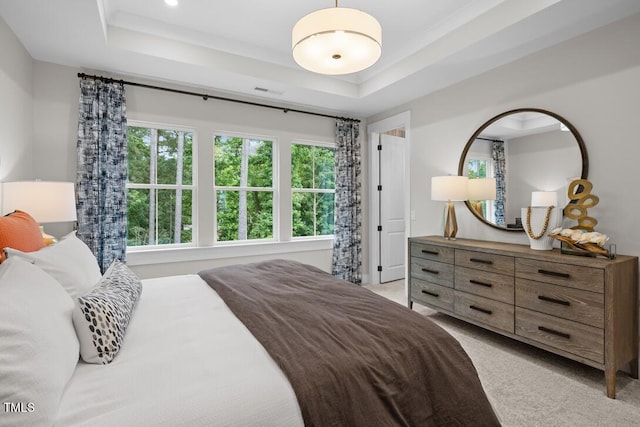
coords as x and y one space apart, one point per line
522 151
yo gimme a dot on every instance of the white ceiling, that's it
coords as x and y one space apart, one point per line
521 124
237 45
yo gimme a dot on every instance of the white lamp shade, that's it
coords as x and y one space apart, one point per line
450 187
544 198
482 189
336 40
45 201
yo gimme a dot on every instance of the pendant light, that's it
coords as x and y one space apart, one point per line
337 40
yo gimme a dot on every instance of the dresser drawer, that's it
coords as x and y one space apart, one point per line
432 271
587 278
490 285
576 338
486 262
568 303
432 252
490 312
432 294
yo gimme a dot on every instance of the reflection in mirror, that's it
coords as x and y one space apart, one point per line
524 150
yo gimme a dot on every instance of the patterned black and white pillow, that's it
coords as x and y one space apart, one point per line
102 315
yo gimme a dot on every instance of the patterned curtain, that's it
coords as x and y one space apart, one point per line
500 168
347 241
102 170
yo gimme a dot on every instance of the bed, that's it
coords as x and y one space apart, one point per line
275 343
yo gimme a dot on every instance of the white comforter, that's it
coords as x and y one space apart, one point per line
186 361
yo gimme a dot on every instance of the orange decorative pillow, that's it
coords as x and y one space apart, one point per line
18 230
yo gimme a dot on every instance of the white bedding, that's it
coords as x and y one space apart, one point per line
186 360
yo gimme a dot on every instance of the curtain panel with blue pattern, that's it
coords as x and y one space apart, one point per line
102 170
347 242
500 173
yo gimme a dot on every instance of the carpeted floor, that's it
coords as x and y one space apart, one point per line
532 387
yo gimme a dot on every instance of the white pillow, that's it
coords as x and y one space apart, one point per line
69 261
101 317
38 344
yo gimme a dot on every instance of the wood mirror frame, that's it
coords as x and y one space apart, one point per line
465 152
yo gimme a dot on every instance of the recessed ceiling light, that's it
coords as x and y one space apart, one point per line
172 3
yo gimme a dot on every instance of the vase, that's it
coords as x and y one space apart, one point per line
536 226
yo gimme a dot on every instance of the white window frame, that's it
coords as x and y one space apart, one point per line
204 247
310 190
273 189
191 187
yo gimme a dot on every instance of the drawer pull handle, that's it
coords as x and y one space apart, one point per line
554 300
433 294
426 270
554 273
481 261
482 310
551 331
477 282
424 251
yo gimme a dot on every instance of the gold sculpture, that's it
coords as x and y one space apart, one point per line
580 192
581 237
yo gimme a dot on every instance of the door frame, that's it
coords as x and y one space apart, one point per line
402 120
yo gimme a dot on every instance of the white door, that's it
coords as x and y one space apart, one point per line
391 208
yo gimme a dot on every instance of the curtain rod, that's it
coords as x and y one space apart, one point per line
207 97
489 139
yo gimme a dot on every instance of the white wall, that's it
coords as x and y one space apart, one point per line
593 81
16 106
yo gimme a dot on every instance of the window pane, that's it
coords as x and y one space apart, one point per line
171 221
244 215
312 167
324 167
477 169
260 163
138 154
312 214
324 214
137 217
228 160
303 218
174 157
301 166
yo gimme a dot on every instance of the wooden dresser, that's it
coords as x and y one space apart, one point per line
582 308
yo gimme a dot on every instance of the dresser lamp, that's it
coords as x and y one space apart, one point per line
450 188
481 189
45 201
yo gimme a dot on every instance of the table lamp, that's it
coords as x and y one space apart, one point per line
481 189
45 201
449 189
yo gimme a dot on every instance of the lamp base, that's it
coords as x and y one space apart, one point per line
48 238
450 223
478 207
540 222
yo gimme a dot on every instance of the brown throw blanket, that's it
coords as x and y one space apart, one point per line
353 357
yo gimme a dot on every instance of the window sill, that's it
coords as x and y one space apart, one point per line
167 255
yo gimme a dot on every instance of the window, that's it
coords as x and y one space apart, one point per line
159 186
312 190
242 198
243 183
